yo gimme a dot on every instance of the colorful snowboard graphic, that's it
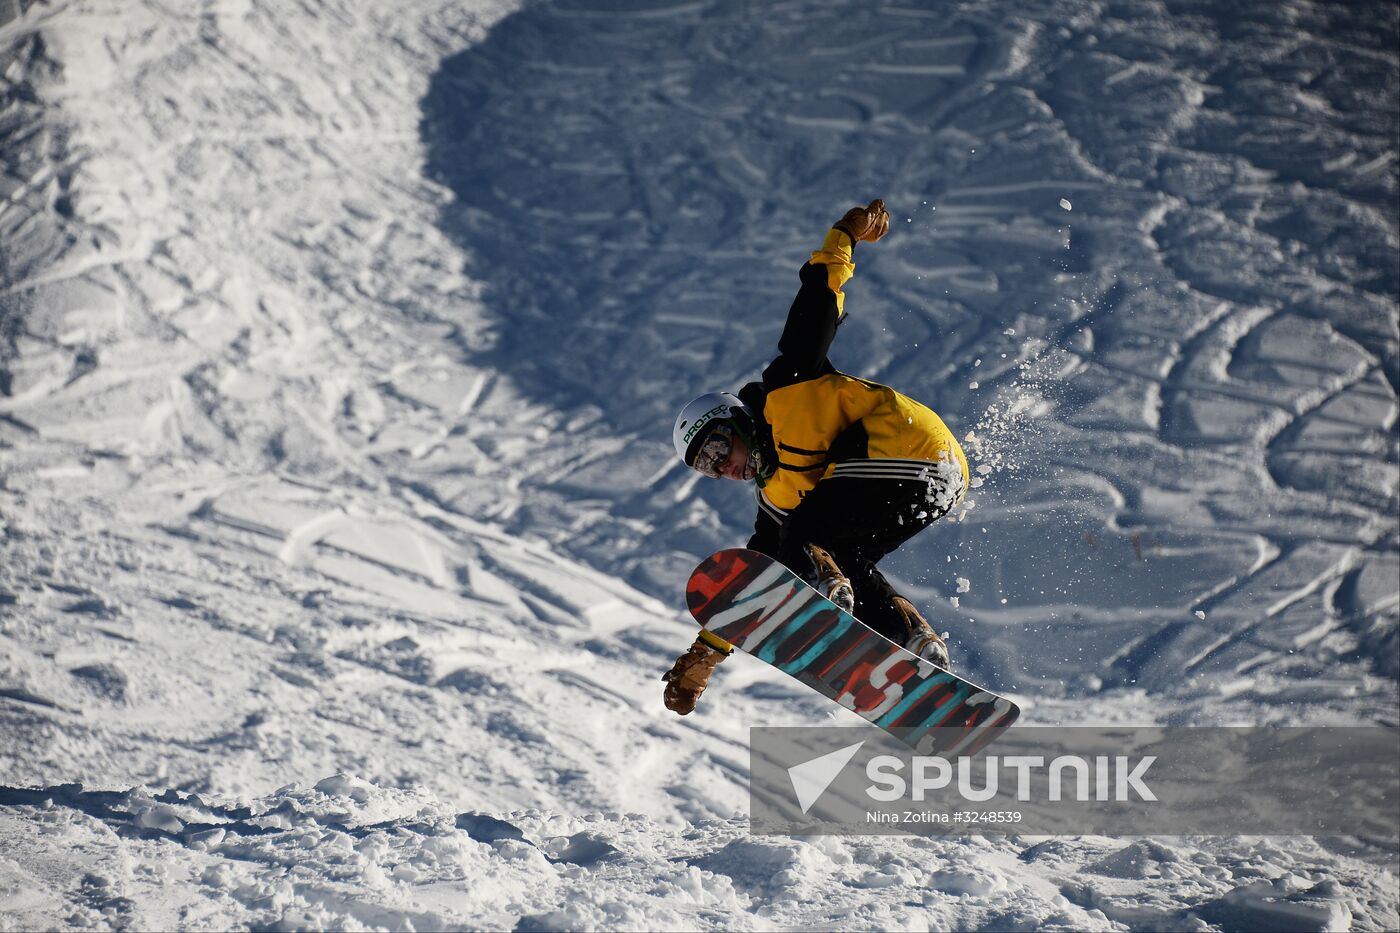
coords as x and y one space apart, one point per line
757 604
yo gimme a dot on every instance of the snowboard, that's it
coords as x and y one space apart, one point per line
760 606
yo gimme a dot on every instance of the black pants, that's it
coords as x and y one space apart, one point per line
860 521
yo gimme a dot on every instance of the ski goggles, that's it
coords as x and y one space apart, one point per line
714 451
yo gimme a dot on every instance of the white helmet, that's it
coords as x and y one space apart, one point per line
708 409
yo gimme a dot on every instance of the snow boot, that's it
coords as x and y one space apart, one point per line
922 640
828 579
689 676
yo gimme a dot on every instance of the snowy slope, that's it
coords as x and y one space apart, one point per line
346 854
338 351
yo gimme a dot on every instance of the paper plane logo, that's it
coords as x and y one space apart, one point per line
811 778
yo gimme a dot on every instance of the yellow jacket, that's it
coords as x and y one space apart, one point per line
825 422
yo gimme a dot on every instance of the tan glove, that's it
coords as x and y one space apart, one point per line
865 223
689 676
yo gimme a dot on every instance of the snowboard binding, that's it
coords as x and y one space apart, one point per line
827 579
923 640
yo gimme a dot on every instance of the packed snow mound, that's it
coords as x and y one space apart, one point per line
345 853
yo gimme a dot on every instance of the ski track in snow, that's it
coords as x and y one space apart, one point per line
338 352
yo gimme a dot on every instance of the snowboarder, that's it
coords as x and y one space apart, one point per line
846 469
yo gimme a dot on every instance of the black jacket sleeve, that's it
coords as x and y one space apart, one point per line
811 327
765 534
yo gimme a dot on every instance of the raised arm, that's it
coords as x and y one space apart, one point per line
818 308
